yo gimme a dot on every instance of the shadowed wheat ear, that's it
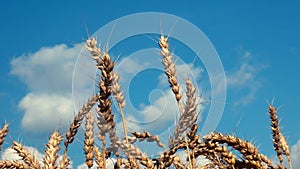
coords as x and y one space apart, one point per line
170 71
3 133
51 151
279 142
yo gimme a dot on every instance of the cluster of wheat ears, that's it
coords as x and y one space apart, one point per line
221 151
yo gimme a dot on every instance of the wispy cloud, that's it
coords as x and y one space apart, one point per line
48 75
243 80
295 154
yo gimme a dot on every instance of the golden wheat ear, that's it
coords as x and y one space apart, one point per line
28 158
279 142
52 148
3 133
12 164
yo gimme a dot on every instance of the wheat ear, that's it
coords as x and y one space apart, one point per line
279 142
150 138
3 133
134 153
28 158
119 96
70 135
170 71
105 65
89 139
51 151
248 150
189 116
12 164
98 156
73 129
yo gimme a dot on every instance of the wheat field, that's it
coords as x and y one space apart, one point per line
216 150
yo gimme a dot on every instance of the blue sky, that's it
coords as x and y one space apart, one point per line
257 42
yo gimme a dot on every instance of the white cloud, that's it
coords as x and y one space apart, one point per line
48 75
46 111
242 76
49 69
